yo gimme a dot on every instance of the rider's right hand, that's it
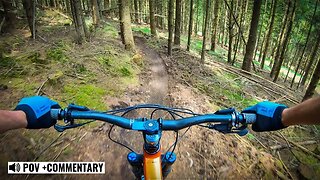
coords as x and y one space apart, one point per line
37 110
269 116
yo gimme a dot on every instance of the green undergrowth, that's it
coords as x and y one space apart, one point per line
142 29
231 96
58 52
89 95
84 75
108 30
221 54
310 166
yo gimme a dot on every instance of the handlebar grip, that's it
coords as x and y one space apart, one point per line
55 113
250 118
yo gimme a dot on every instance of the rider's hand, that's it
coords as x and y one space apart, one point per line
37 110
269 116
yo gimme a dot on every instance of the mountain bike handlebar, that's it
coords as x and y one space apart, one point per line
231 118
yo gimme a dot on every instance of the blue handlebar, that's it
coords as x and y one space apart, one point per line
140 124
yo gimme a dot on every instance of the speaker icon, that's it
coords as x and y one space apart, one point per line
14 167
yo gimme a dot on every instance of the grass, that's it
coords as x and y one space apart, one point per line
220 53
57 53
143 30
108 30
90 95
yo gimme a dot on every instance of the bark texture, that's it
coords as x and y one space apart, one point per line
248 57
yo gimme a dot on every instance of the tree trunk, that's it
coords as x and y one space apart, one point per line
163 10
205 32
152 20
312 58
83 22
313 84
52 4
266 46
291 64
245 25
95 12
136 11
278 46
197 18
238 42
185 12
305 45
76 14
9 15
230 32
177 29
215 25
277 66
125 25
106 4
141 11
170 26
29 6
246 65
190 25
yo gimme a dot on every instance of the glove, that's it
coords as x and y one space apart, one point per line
37 110
269 116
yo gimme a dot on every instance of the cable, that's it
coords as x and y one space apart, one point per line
175 144
109 135
172 111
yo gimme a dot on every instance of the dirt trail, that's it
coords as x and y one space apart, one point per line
153 89
158 85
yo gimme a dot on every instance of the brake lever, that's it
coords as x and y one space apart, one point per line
226 128
69 121
61 128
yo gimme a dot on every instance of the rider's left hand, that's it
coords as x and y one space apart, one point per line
37 110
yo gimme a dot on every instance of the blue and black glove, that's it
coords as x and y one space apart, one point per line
269 116
37 110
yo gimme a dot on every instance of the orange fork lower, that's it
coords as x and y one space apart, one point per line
152 165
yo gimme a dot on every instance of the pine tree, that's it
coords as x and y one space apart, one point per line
125 24
248 57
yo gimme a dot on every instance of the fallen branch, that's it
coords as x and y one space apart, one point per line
8 71
246 74
66 16
260 143
42 38
285 167
46 148
2 22
65 147
282 146
39 89
299 146
253 74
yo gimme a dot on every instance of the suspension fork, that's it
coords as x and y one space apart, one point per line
151 165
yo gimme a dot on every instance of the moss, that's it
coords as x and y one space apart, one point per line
143 30
125 71
57 53
68 151
80 68
35 58
56 78
138 60
28 88
304 158
106 61
109 30
86 95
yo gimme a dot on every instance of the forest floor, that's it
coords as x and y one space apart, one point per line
101 75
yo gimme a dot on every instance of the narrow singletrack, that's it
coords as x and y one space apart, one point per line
98 147
158 84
